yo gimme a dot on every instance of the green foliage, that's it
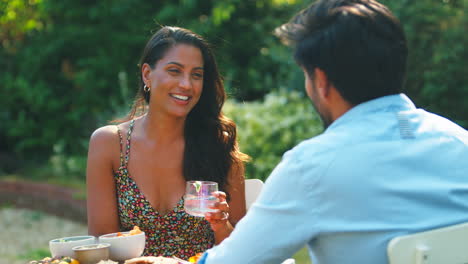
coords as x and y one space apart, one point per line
61 163
269 128
436 33
69 67
63 79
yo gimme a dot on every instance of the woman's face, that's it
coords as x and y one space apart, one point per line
176 81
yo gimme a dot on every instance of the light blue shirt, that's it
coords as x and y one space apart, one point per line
383 169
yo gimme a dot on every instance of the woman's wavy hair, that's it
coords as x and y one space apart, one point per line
211 149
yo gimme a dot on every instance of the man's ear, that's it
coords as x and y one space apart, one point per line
322 83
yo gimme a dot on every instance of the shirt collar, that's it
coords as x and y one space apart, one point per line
397 102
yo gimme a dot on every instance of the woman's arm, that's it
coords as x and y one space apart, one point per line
229 214
100 184
236 189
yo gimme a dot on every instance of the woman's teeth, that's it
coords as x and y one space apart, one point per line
180 97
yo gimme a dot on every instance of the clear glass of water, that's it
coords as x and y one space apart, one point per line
199 197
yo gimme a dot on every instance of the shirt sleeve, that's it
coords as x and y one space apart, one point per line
278 224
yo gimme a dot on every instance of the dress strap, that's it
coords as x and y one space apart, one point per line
121 143
127 149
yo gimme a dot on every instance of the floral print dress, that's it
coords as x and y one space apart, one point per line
174 234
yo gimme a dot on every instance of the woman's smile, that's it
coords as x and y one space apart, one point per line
180 98
177 80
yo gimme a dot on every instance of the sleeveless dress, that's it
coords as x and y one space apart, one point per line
174 234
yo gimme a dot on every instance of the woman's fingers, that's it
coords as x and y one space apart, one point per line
220 195
221 214
221 203
221 206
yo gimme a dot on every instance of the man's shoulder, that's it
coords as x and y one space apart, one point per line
432 123
320 146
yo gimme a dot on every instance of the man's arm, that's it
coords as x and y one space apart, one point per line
278 224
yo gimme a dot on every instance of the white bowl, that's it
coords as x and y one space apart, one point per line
124 247
62 247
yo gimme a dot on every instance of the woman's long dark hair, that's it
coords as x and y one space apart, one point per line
211 150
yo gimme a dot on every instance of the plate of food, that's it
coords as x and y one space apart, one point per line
55 260
154 260
163 260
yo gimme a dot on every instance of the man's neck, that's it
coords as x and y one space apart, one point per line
339 106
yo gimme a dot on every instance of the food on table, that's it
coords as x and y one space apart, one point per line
152 260
194 259
107 262
94 246
136 230
55 260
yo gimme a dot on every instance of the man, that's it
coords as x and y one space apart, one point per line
381 169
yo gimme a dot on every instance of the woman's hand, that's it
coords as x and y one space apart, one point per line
219 219
227 215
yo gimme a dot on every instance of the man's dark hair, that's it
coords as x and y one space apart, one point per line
359 44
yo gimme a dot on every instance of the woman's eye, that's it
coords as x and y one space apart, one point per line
174 70
198 75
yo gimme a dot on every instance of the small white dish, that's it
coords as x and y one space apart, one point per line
63 247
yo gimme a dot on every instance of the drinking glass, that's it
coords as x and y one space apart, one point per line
199 197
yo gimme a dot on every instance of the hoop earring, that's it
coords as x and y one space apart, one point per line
146 89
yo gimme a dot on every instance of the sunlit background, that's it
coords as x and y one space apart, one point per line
68 67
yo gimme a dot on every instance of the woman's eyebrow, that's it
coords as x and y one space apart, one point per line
182 66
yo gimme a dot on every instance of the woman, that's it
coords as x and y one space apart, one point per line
174 133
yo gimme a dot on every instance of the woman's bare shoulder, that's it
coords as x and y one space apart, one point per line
104 144
105 134
110 132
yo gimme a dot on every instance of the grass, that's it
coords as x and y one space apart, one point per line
29 232
35 254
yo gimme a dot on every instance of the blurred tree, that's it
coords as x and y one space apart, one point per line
437 74
67 73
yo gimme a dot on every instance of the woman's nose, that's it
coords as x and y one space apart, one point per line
185 82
